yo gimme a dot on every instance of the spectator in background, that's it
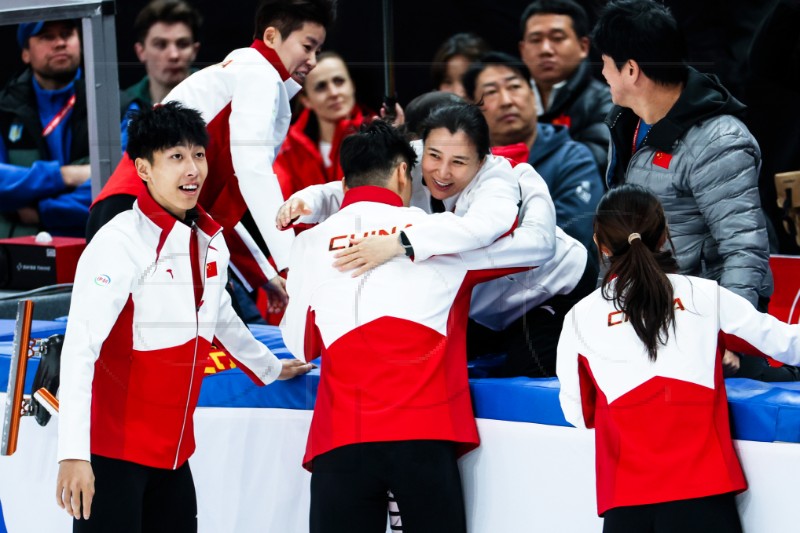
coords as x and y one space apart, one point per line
44 136
554 47
310 153
167 33
452 60
499 81
677 133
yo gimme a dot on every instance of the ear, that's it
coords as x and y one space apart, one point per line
139 49
603 249
633 69
271 37
143 168
304 101
583 43
344 185
195 49
26 56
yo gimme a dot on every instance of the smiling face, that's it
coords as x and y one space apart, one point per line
551 49
167 52
298 52
175 177
329 91
54 54
449 162
508 105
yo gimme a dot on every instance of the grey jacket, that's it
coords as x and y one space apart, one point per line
702 163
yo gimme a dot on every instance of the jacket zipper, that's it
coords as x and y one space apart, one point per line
194 358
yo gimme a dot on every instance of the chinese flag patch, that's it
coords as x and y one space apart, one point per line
562 120
211 269
662 159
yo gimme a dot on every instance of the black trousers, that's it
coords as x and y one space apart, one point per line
132 498
697 515
349 488
531 341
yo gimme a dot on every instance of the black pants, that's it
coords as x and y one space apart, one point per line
697 515
530 342
132 498
349 488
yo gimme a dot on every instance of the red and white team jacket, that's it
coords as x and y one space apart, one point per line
141 321
245 103
392 340
482 213
661 428
477 217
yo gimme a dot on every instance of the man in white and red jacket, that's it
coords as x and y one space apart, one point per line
393 406
244 100
148 301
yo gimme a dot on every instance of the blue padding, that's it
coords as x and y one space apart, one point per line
764 411
760 411
518 400
5 365
40 329
2 521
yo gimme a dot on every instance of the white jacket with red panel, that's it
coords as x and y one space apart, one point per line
662 431
138 338
392 340
245 103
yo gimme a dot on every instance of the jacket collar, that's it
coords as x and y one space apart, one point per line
166 221
371 193
292 87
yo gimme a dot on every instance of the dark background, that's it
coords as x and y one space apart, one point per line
719 35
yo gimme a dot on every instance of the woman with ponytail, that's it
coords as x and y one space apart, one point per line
639 360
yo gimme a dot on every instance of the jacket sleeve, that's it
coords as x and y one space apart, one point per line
761 330
568 372
596 136
253 143
533 241
103 283
576 191
492 212
724 182
69 210
323 200
24 186
257 360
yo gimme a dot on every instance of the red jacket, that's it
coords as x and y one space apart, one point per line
299 163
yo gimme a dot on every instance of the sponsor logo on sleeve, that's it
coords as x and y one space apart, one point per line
103 280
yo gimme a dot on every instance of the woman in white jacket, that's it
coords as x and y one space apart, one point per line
639 360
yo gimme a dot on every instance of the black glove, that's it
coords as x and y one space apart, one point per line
47 375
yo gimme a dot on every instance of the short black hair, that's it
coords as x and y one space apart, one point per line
646 32
288 16
168 12
469 45
493 59
162 127
467 118
369 156
420 107
580 20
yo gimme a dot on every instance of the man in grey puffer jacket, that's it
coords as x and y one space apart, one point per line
675 131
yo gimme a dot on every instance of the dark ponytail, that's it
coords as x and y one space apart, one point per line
630 222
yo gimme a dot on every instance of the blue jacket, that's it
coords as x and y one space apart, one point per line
571 174
30 166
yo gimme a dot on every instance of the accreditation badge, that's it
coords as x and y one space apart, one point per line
15 133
